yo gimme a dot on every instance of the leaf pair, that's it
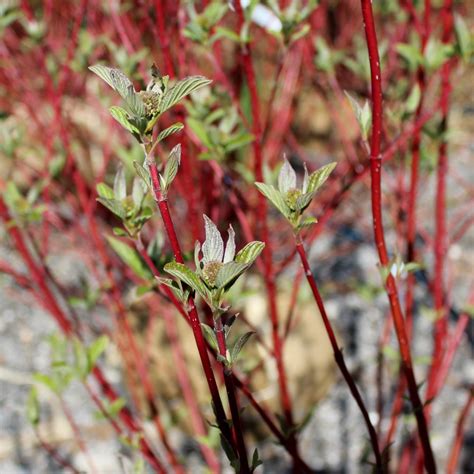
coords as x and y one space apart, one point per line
143 108
292 201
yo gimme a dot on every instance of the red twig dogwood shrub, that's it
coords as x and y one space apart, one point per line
135 133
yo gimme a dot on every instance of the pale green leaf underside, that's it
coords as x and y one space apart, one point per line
275 197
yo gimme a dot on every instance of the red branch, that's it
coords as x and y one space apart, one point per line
379 236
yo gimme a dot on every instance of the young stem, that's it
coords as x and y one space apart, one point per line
440 244
376 196
459 436
233 404
338 356
162 203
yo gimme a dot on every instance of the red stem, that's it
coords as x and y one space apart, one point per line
441 325
192 312
338 356
54 454
451 468
233 404
376 195
38 276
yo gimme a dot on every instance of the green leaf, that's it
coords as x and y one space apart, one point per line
275 198
238 141
436 54
182 89
121 116
130 257
413 99
176 127
114 408
250 252
317 179
363 115
463 37
105 191
172 166
113 206
239 344
143 173
135 103
411 54
210 336
80 358
199 129
96 349
173 286
222 32
183 273
114 78
255 460
229 272
303 201
307 222
33 407
47 381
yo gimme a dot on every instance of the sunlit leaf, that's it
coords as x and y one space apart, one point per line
182 89
275 197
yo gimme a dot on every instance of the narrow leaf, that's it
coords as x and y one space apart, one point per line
33 407
143 173
176 127
240 343
210 336
105 191
96 349
172 166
